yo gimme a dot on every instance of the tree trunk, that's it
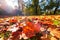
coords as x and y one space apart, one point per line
56 8
36 10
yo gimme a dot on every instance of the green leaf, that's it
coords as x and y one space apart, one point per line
56 22
7 34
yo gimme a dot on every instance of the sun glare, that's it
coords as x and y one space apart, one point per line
12 3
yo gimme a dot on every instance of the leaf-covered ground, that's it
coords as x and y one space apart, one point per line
30 28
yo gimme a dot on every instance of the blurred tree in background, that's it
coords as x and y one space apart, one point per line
42 7
33 7
52 7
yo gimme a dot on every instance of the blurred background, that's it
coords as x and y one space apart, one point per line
29 7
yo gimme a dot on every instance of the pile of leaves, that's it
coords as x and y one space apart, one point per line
27 28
